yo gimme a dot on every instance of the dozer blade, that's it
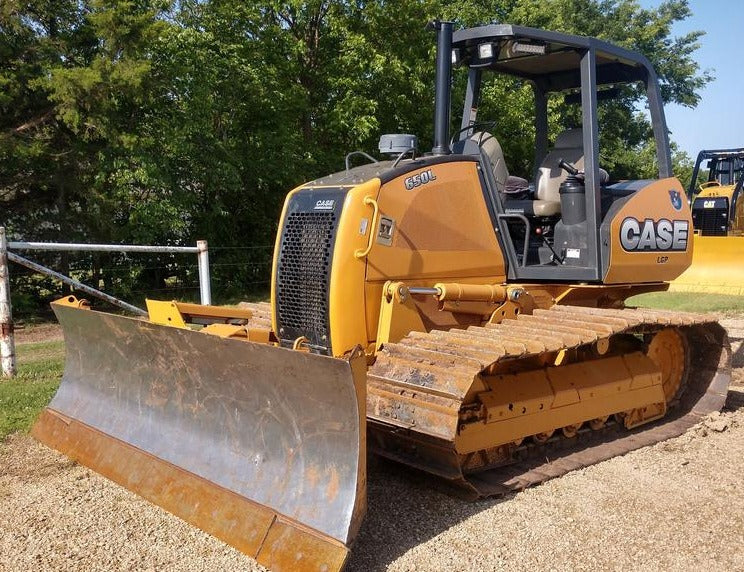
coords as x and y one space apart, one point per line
260 446
717 266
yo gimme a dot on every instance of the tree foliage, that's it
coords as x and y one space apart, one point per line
164 121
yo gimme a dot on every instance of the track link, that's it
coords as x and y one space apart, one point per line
261 319
420 388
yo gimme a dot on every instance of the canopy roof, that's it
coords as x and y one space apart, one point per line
720 154
558 68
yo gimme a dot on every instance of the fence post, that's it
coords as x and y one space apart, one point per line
7 342
205 288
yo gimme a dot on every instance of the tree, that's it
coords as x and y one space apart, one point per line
42 162
164 121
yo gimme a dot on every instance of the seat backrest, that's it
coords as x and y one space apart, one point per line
569 145
492 149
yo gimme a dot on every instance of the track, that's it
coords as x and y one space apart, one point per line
417 388
261 318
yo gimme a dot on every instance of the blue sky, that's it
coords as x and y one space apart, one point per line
718 120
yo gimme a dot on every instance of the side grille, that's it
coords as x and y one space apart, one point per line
303 274
710 216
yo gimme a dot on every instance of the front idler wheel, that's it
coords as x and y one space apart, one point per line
669 351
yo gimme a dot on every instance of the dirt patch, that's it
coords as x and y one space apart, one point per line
25 334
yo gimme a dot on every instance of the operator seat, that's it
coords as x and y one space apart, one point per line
492 148
509 186
569 145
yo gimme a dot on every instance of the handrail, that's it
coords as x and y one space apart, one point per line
347 160
361 253
403 154
527 233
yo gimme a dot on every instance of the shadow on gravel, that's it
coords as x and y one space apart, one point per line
735 339
737 358
735 399
406 508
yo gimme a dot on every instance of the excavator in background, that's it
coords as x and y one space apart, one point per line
428 308
718 220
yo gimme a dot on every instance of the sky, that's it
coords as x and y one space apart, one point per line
718 120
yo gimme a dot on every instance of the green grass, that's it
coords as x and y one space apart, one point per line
689 302
23 397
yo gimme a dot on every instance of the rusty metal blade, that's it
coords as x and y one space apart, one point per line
261 446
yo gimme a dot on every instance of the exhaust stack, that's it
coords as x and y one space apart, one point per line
443 87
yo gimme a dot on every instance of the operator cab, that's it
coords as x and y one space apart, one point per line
722 167
715 201
550 220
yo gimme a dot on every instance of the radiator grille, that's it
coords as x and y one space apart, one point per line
302 276
710 221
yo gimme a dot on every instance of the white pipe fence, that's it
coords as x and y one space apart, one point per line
7 341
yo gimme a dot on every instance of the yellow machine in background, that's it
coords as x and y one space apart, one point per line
718 218
420 310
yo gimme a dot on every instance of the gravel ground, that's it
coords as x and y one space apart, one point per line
678 505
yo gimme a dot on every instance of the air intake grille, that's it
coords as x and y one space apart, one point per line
710 216
302 276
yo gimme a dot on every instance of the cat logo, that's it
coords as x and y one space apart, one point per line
654 235
324 205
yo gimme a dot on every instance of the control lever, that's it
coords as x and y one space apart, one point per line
568 167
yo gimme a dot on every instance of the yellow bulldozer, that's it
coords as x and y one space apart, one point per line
429 308
718 220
